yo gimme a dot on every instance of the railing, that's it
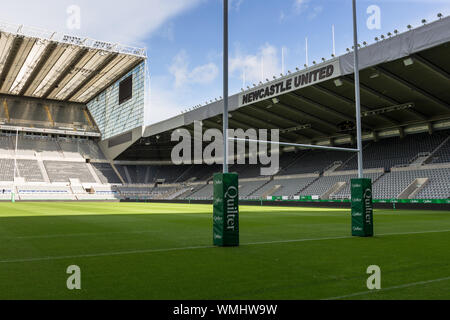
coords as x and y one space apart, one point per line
47 35
332 165
418 156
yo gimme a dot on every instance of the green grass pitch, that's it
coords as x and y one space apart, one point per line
164 251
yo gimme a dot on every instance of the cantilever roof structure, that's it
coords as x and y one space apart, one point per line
47 65
405 87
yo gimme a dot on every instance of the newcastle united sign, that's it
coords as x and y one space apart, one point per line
301 79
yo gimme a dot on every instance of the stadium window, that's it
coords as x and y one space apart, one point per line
126 89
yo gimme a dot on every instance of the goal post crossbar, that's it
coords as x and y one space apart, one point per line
288 144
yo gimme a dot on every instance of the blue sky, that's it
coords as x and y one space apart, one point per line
184 37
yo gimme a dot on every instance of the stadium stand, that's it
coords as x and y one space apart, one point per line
247 188
442 155
391 185
314 162
345 191
29 169
30 145
60 171
48 147
106 173
5 145
200 173
391 152
6 170
302 173
246 171
438 186
203 193
90 150
138 174
292 187
70 149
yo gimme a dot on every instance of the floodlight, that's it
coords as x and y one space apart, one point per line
407 62
338 83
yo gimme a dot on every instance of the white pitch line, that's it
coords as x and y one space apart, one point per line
388 289
74 235
106 254
120 253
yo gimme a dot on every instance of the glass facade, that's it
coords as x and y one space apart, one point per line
114 118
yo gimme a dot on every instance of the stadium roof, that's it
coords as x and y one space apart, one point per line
405 82
43 64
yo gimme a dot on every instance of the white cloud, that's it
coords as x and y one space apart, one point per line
236 4
203 74
173 92
315 12
128 22
300 5
257 67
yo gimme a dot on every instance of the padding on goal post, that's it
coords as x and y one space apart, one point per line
362 208
226 210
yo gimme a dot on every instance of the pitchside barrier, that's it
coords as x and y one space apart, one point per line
226 210
392 201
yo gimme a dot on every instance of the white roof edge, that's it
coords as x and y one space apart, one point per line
63 38
399 46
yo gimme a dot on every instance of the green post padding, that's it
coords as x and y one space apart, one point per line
13 197
362 208
226 210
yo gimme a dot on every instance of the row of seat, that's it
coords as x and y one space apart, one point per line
385 186
49 147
